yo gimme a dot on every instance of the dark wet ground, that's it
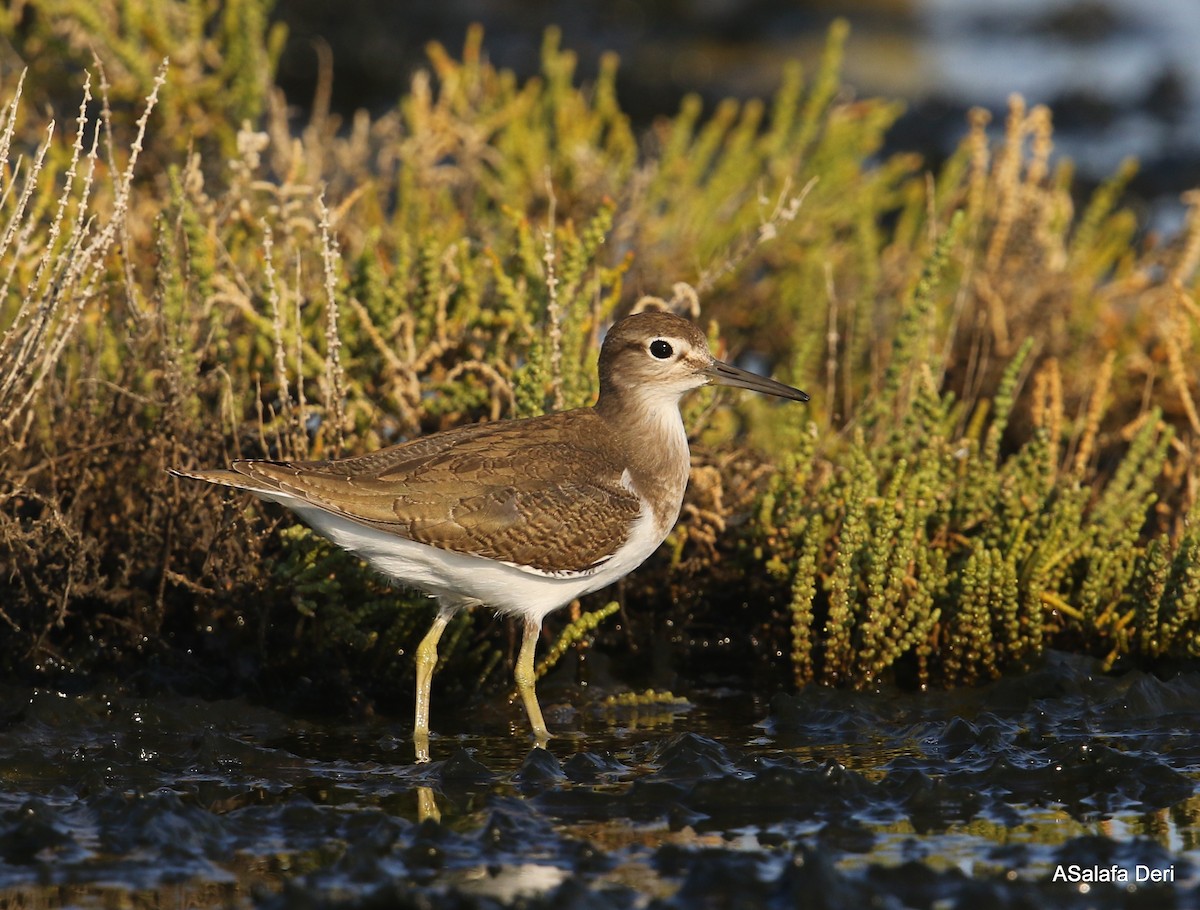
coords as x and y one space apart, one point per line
819 799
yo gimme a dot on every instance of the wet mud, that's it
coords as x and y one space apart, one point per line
1061 787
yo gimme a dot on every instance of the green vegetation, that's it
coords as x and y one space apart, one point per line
1002 453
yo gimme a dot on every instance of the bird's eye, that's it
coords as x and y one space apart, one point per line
661 349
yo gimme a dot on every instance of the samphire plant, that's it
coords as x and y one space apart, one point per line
1001 454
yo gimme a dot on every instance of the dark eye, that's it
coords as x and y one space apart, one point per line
661 349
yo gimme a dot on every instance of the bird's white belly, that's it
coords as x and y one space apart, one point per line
461 579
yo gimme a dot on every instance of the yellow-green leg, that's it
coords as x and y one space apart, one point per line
525 680
427 806
426 662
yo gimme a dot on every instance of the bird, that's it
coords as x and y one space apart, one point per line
522 515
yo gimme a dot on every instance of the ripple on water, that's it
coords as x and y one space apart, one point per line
845 799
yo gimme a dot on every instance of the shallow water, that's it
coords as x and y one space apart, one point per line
817 799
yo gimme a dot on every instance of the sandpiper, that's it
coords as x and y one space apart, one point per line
522 516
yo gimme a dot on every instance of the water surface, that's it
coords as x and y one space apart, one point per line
815 798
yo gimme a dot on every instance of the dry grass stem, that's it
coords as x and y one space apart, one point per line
335 377
1097 404
553 307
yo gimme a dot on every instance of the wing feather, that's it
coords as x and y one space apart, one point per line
495 490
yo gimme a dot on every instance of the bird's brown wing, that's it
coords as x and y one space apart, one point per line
552 501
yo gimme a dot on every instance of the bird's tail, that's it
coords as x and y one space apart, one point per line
225 478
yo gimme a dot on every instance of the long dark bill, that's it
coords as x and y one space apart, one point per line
725 374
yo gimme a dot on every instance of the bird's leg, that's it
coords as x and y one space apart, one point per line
525 680
427 806
426 661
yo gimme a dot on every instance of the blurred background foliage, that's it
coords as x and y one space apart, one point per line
1001 454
